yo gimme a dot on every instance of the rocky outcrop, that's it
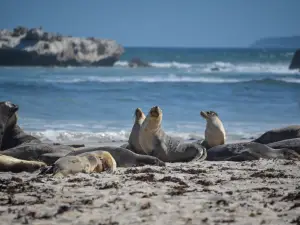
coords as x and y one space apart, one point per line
291 42
137 62
295 64
35 47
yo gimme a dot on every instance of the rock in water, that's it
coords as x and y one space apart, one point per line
295 64
35 47
137 62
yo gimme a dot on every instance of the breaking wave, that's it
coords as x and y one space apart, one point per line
176 78
82 137
219 66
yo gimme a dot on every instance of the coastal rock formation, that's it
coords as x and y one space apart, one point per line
292 42
35 47
137 62
295 64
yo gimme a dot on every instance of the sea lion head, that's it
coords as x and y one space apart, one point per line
153 119
155 115
155 112
139 115
209 114
108 163
8 115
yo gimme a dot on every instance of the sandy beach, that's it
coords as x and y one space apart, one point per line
257 192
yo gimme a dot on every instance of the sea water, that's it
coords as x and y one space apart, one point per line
252 90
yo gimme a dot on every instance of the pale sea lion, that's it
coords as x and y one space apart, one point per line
279 134
154 141
249 151
133 141
8 163
214 132
123 156
88 162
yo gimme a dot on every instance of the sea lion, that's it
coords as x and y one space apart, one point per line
8 163
293 144
154 141
88 162
279 134
248 151
122 156
133 141
16 143
214 132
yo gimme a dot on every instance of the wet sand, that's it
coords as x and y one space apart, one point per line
257 192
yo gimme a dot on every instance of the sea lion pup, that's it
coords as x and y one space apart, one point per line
133 141
154 141
88 162
279 134
214 132
8 163
249 151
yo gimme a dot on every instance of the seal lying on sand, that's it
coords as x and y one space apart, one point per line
122 156
293 144
154 141
133 142
214 132
8 163
14 142
279 134
249 151
88 162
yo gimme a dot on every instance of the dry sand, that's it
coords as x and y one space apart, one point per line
257 192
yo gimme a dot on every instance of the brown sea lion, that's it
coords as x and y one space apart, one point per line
275 135
133 142
154 141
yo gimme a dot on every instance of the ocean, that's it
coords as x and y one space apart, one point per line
252 91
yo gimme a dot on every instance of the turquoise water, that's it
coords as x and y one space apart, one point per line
252 91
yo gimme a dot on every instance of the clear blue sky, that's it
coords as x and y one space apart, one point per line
186 23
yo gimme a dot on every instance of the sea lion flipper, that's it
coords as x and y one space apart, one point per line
244 156
201 156
8 163
290 154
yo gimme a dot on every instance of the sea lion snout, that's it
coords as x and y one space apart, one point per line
139 113
155 111
11 105
8 107
203 114
208 114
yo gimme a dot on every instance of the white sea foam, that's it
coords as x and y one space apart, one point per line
64 136
158 64
219 66
170 65
149 79
170 78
